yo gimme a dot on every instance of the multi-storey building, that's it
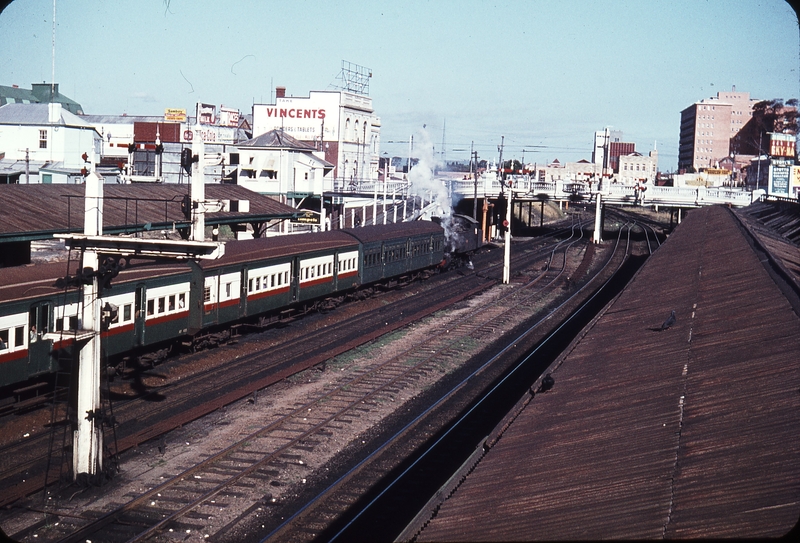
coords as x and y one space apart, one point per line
340 123
707 127
637 168
608 147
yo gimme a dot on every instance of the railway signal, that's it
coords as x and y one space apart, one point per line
97 248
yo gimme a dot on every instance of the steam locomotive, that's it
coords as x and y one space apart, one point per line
150 306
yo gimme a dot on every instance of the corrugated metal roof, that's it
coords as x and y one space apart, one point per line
276 139
689 432
381 231
54 208
37 114
280 246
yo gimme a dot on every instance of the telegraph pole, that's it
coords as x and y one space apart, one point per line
474 170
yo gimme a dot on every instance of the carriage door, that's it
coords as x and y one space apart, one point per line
243 294
39 349
295 274
211 300
139 316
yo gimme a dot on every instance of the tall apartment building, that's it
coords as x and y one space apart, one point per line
707 127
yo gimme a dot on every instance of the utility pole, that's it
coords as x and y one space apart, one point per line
500 166
507 248
473 167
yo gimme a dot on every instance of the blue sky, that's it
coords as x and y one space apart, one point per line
542 74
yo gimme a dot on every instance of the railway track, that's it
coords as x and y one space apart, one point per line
225 472
381 505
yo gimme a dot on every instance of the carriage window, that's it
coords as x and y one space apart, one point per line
151 307
207 294
172 303
161 304
39 318
3 340
258 283
272 280
227 290
181 300
286 277
19 336
126 312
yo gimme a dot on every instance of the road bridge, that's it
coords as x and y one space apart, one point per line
611 193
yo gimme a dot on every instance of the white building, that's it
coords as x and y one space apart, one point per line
292 172
636 168
44 143
340 123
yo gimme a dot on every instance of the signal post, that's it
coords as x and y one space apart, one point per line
97 248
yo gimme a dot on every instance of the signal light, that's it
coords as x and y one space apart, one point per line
187 159
131 148
85 157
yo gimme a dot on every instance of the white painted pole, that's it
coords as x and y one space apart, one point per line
507 257
88 436
384 201
598 223
198 187
374 204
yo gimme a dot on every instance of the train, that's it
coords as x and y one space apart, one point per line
150 308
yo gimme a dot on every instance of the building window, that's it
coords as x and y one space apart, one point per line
42 139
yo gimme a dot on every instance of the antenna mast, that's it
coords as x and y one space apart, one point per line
53 71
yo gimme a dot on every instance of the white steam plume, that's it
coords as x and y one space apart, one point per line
423 183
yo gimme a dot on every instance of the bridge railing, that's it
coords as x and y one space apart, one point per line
689 196
370 186
488 186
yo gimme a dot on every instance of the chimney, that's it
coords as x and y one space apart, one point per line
54 112
280 92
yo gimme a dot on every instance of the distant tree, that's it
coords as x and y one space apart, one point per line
512 166
768 116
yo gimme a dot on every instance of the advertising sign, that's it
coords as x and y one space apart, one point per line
301 118
306 217
782 145
795 189
206 113
228 117
175 115
779 173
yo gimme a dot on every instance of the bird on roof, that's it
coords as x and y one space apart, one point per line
669 322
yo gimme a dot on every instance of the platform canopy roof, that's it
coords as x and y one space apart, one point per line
34 212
